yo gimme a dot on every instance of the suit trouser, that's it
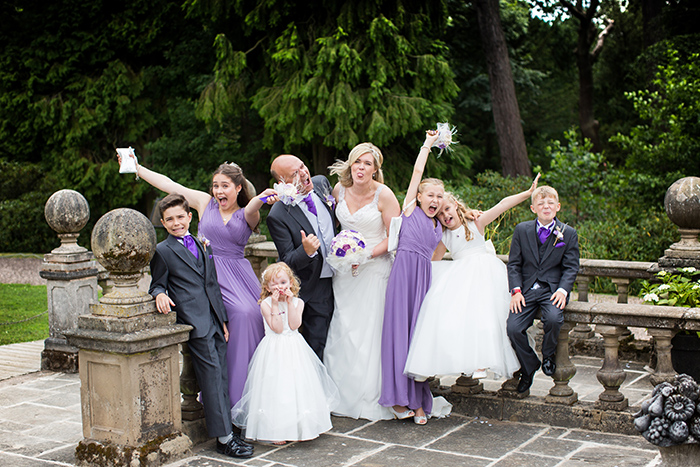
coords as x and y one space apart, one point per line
317 316
518 323
209 363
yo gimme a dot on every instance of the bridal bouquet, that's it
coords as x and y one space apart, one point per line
347 251
445 134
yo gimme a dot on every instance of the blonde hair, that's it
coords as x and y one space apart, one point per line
461 212
544 191
273 271
343 168
427 182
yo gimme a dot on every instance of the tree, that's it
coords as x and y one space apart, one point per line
328 76
506 113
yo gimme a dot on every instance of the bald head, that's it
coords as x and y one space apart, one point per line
290 169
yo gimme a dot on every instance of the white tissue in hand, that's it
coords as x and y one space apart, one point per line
128 165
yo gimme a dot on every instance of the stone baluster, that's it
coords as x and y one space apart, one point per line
664 366
466 385
582 331
193 423
611 375
622 286
561 392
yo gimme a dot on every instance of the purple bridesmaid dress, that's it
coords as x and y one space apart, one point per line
408 283
240 289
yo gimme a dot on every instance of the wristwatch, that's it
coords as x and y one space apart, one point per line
515 290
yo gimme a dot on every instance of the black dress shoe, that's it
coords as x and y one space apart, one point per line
525 382
548 366
240 440
234 449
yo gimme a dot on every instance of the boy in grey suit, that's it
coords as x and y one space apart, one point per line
542 266
184 280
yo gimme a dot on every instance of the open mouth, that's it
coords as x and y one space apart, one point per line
223 200
432 210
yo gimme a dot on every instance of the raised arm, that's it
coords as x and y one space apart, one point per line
252 209
197 199
418 168
505 204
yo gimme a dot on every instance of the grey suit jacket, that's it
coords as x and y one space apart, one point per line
558 266
174 271
285 223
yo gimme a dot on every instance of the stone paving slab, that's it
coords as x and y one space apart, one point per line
40 425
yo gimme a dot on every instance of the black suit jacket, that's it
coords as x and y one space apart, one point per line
558 266
174 271
285 223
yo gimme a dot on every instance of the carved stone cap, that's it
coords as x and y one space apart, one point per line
67 212
682 203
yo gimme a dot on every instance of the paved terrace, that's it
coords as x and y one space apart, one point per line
40 425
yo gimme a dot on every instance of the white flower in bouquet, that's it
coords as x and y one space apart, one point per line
444 139
347 251
288 193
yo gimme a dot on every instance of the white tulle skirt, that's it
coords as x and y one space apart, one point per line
462 323
288 395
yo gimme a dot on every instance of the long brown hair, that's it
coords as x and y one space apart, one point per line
461 212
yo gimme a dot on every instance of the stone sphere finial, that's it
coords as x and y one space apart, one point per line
682 203
67 212
124 241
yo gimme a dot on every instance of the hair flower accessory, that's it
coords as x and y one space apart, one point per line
444 139
559 241
347 252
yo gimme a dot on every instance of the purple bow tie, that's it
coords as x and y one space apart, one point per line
543 233
310 205
191 245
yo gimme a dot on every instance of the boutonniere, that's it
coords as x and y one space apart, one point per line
330 201
559 237
203 240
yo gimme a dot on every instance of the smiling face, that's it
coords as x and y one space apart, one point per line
291 169
430 199
448 216
546 209
363 168
176 221
225 192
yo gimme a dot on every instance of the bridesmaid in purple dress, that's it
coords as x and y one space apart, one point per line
227 217
408 283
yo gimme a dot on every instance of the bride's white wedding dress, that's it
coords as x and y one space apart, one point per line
353 349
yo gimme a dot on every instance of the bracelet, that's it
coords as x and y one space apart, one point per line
426 147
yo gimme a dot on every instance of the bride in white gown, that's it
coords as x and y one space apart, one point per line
353 349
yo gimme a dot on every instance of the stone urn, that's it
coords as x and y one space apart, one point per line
67 212
124 252
682 203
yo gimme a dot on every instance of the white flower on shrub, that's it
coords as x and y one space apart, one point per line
651 297
664 287
661 273
696 286
690 269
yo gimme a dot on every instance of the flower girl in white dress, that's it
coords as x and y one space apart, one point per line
288 395
461 327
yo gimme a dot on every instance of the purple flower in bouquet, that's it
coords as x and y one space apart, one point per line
347 251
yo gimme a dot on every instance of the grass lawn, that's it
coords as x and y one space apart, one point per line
20 302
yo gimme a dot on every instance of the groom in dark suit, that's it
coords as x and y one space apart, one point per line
184 280
302 235
542 266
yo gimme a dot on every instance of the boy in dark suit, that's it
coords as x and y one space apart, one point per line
303 235
542 267
184 280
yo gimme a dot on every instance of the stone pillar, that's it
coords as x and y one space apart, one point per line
664 366
71 278
682 203
582 331
259 263
561 392
129 372
611 375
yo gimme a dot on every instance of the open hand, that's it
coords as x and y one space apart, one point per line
517 302
164 303
534 183
558 299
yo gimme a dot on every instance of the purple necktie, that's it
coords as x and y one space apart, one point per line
190 244
310 205
543 233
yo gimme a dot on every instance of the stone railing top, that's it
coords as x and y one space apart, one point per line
643 316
